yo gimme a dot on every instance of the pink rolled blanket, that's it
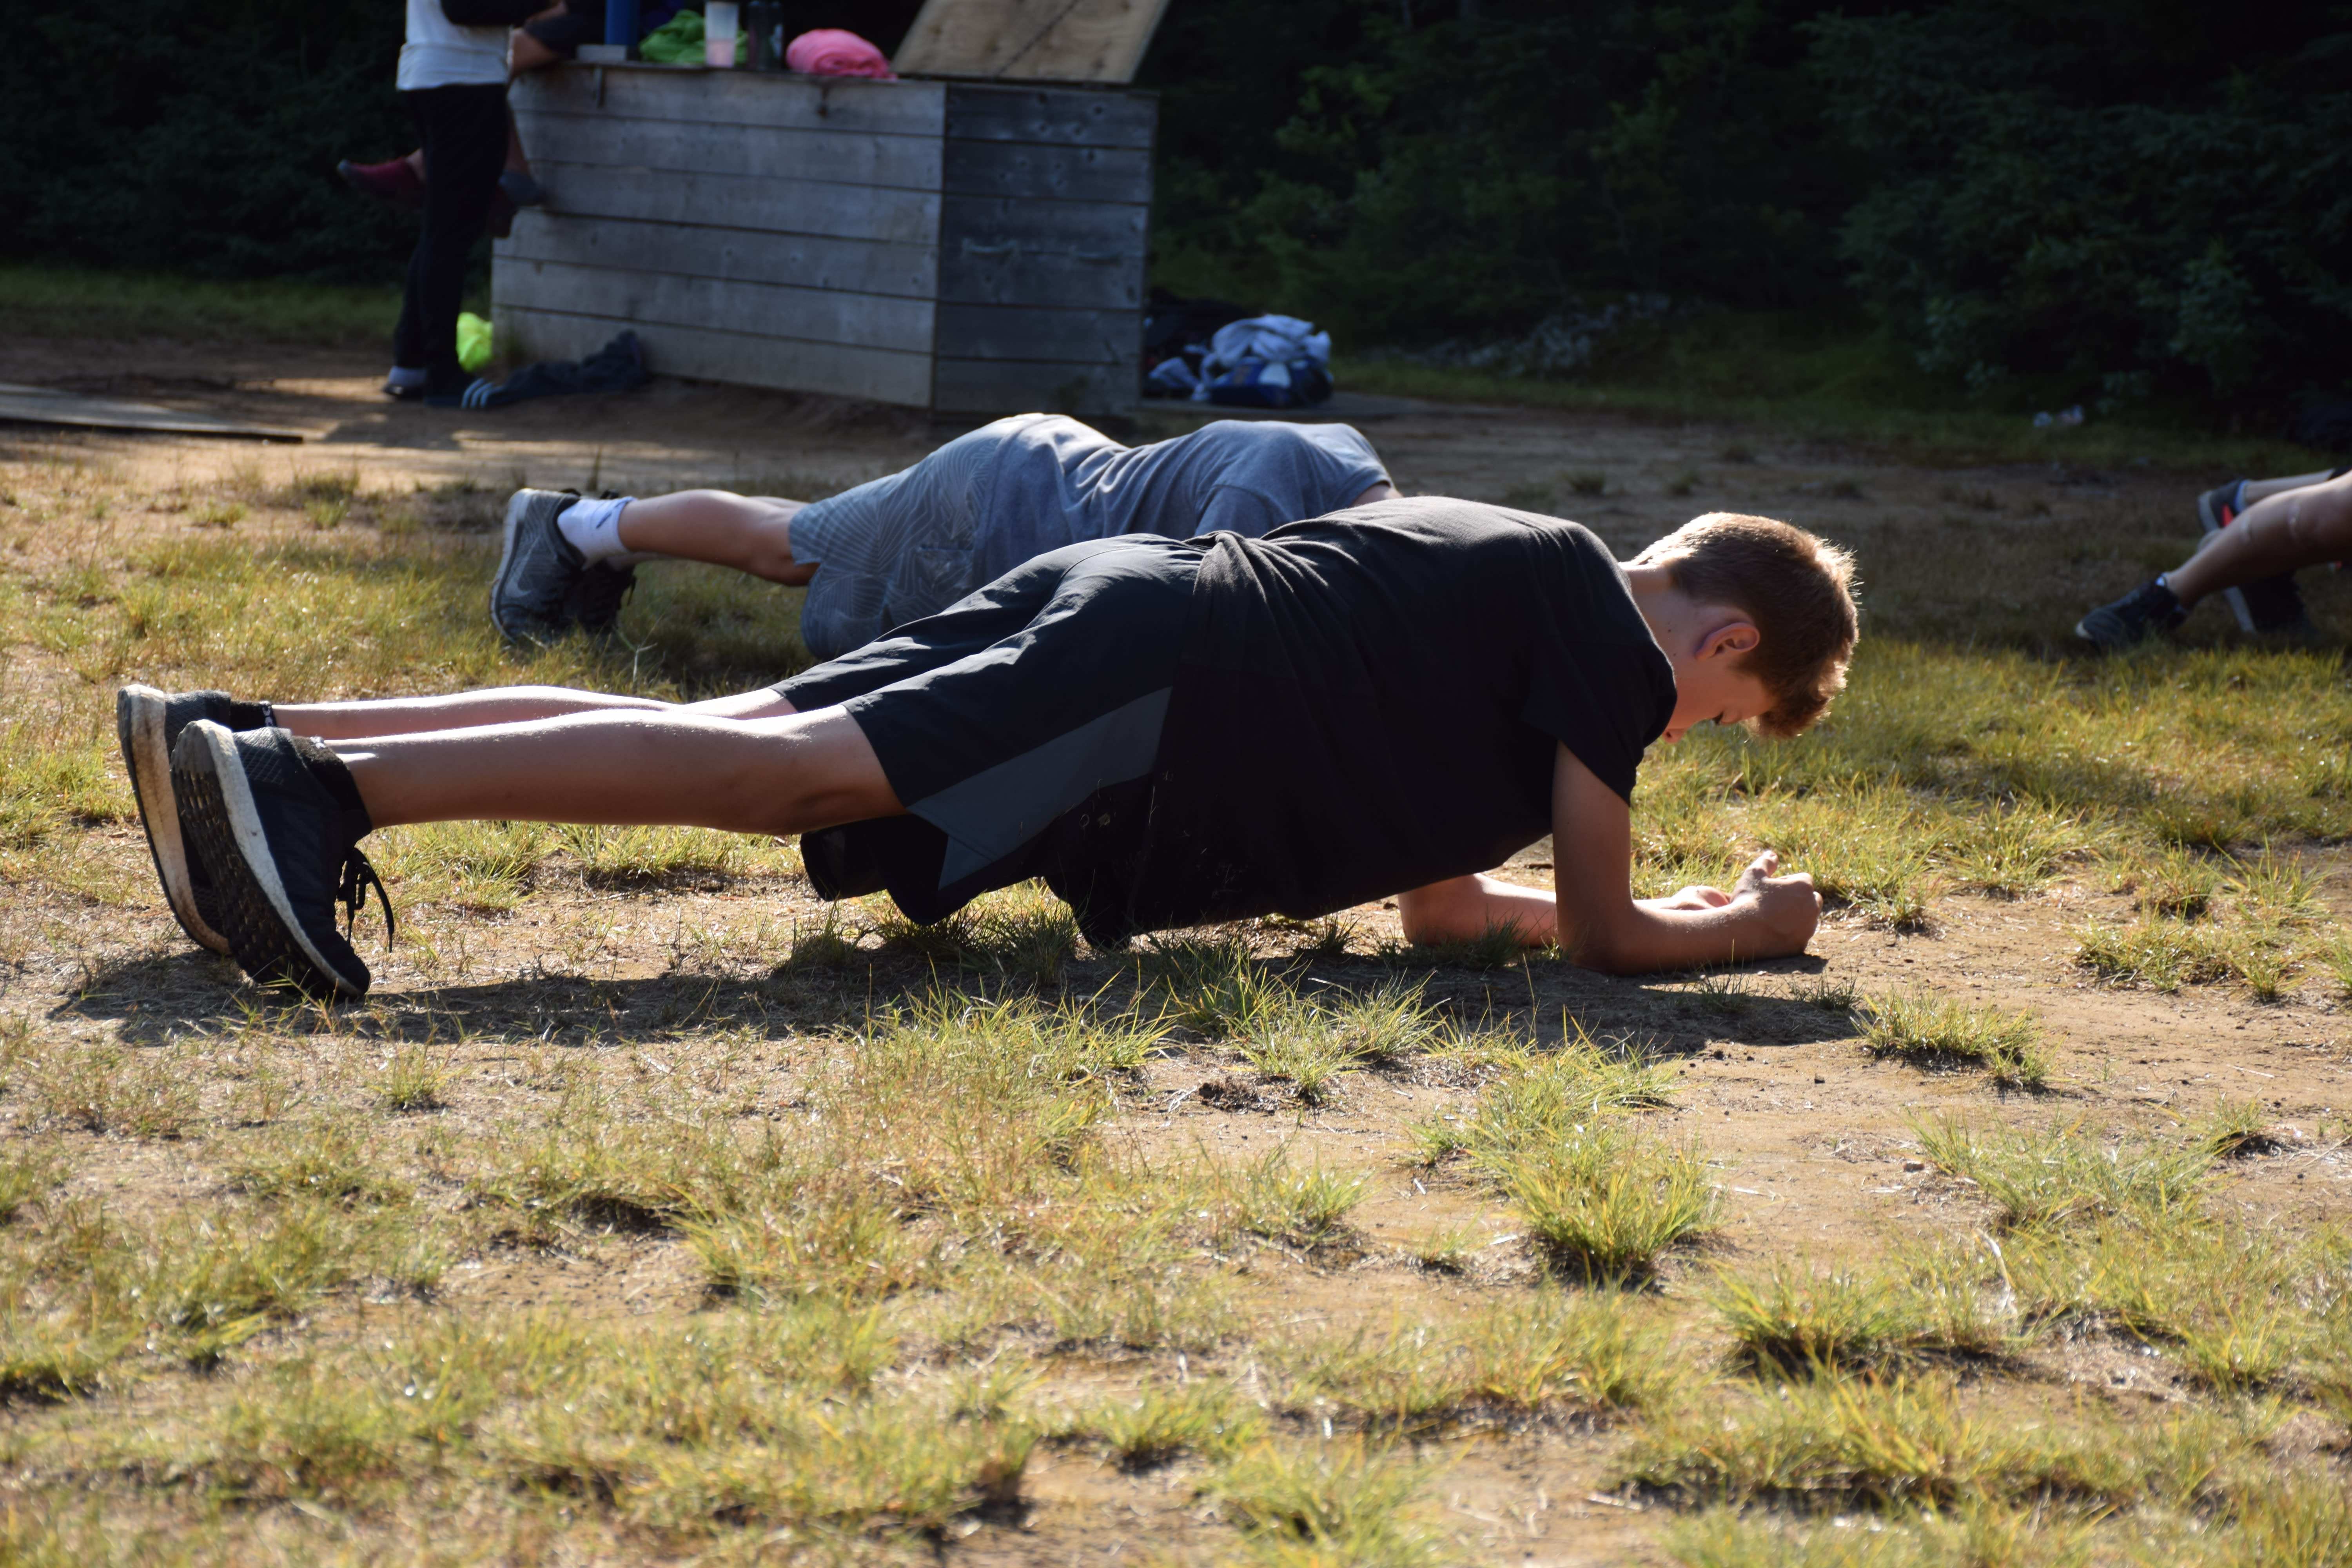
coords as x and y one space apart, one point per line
829 51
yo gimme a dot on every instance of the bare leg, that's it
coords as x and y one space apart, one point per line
498 705
751 533
2288 529
782 775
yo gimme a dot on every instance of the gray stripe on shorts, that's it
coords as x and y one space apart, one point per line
989 814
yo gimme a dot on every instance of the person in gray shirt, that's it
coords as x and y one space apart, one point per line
899 548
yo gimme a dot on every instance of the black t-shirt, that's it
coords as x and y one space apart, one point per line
1370 702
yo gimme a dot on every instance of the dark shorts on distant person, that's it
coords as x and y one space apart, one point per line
1020 727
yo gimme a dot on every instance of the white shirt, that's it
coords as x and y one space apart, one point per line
439 53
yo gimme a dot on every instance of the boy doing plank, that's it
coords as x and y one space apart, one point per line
1387 701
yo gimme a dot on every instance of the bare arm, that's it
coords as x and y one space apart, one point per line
1592 912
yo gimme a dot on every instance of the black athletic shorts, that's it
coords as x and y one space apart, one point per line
1020 726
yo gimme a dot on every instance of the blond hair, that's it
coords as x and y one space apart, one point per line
1797 588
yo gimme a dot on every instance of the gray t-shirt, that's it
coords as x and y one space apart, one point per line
912 543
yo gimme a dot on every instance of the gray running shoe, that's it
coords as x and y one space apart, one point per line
147 723
283 852
2151 607
538 569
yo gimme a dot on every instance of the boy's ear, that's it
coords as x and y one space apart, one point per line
1731 638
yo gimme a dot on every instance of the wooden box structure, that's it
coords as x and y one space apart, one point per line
970 247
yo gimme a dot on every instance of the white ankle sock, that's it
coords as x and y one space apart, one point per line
593 528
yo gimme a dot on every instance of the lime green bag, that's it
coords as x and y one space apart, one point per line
474 342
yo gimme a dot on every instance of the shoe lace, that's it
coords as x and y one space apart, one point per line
358 875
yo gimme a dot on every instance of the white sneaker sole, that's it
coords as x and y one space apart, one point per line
139 725
268 942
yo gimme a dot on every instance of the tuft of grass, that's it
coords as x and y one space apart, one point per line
137 1093
2236 1127
331 1160
1606 1204
1534 496
1793 1318
1938 1032
1586 481
1551 1352
2041 1178
1206 1418
60 1357
1889 1444
1343 1501
1215 987
1446 1251
2160 953
411 1079
1275 1199
27 1172
2235 1305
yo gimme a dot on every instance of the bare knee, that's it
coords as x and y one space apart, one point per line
2319 518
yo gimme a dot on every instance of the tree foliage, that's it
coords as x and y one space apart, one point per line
2053 199
2101 196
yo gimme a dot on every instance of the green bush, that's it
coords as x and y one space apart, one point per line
2080 200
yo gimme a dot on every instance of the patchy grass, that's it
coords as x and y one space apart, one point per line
652 1209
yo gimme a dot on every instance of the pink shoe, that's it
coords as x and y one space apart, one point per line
394 183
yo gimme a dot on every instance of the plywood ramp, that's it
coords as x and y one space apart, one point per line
1030 40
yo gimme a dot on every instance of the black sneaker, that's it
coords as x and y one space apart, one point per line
596 601
2151 607
147 723
283 850
538 569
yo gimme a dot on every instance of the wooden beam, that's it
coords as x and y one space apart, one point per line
648 299
1039 40
837 157
732 255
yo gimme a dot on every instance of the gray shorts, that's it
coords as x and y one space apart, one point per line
894 549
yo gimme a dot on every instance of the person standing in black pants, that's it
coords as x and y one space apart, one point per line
453 78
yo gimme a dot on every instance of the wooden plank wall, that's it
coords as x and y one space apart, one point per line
771 230
1043 234
966 248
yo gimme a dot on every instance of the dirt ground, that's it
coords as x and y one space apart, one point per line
1813 1137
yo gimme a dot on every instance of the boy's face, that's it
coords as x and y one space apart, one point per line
1708 687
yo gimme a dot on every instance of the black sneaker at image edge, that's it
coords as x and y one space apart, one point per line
146 723
282 853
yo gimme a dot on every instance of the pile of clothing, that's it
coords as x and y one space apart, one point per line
1212 351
